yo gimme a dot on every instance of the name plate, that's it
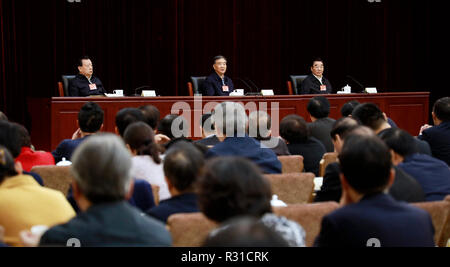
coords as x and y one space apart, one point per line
149 93
267 92
371 90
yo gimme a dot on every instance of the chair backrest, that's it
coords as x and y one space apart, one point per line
292 188
297 81
309 216
189 229
292 164
327 159
55 177
66 79
197 84
440 215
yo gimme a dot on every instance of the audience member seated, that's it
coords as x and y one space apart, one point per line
146 161
182 166
246 232
320 128
432 174
208 131
90 121
234 187
439 136
3 117
260 128
10 138
126 117
101 168
368 213
370 115
405 188
29 157
293 129
152 115
24 203
230 121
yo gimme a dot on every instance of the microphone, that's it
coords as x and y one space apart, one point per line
258 91
246 84
140 88
363 89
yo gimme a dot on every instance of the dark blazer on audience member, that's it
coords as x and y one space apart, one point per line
281 149
393 223
249 148
405 187
185 203
432 174
212 86
312 151
321 129
439 139
115 224
311 86
66 148
209 141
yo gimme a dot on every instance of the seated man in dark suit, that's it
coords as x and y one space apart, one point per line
230 121
316 83
369 215
432 174
439 136
319 110
182 165
370 115
85 83
208 131
101 167
217 84
90 121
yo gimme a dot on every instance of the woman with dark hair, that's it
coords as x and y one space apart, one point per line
147 164
234 187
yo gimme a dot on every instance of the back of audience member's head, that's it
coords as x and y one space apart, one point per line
207 124
173 126
3 117
152 115
230 119
347 108
10 138
127 116
369 115
183 164
25 139
233 187
245 232
90 117
366 163
319 107
259 125
141 138
343 127
400 142
441 109
294 130
101 168
7 166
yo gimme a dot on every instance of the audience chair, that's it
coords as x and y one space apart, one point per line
55 177
327 159
195 85
293 188
155 191
291 164
295 83
309 216
63 87
440 215
189 229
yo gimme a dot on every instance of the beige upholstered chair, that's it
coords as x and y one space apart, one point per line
440 215
327 159
293 188
189 229
292 164
55 177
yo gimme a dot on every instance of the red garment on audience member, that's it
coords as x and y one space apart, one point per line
30 158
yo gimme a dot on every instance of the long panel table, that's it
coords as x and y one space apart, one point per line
55 119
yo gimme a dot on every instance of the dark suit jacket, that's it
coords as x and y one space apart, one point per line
209 141
432 174
281 149
186 203
405 187
249 148
66 148
212 86
321 129
312 151
439 139
110 225
394 224
79 86
311 86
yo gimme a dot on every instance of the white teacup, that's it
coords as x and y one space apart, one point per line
118 92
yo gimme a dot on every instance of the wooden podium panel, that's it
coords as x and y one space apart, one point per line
55 119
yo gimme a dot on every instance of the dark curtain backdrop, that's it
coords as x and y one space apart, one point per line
392 45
